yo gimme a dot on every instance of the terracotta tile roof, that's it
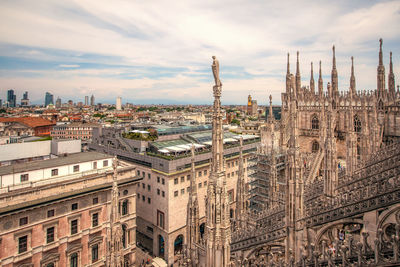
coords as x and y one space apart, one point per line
29 121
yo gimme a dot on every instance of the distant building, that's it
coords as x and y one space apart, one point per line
251 106
92 103
82 131
25 100
11 98
58 102
68 222
48 99
70 103
119 103
20 126
86 100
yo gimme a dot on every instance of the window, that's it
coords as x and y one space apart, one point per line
143 174
149 200
23 221
143 185
149 175
50 213
138 173
205 183
200 173
160 219
149 229
230 195
95 165
232 174
315 147
175 193
50 234
50 265
158 179
188 189
163 194
182 191
74 227
357 124
182 179
158 191
138 196
229 165
229 175
148 187
188 178
315 123
54 172
74 206
74 260
143 198
22 244
95 253
95 200
105 163
176 181
199 185
76 168
205 172
95 219
24 177
163 181
125 207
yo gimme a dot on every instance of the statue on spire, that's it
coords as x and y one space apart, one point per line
215 70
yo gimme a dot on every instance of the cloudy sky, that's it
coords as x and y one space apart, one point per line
160 51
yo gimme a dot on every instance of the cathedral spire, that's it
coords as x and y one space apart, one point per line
241 193
334 74
352 78
288 65
298 79
312 84
320 81
271 117
380 72
193 217
288 79
391 85
217 201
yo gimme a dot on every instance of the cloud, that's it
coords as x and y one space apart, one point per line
145 49
69 66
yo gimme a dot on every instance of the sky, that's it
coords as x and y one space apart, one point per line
159 52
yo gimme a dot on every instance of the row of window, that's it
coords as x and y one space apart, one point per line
356 123
144 198
54 172
176 193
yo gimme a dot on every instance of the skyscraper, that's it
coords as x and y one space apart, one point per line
49 99
58 102
119 103
92 100
11 98
86 100
25 100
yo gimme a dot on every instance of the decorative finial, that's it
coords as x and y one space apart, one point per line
270 99
380 52
334 57
288 64
215 70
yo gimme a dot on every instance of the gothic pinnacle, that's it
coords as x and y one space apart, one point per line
352 77
312 86
380 52
288 64
320 81
334 58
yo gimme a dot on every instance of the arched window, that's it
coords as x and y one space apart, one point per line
315 123
74 260
125 207
124 232
357 124
50 265
315 147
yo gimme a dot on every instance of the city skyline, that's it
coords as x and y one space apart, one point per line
102 49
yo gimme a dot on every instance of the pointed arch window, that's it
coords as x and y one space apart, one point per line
315 123
357 124
125 207
315 147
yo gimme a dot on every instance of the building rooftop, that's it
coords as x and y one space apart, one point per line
50 163
29 121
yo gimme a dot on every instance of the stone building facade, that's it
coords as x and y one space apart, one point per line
70 219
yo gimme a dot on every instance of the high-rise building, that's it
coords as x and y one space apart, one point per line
11 98
86 100
25 100
58 102
49 99
119 103
92 100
